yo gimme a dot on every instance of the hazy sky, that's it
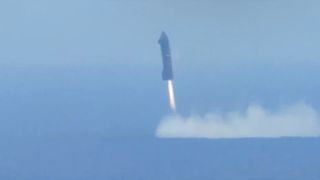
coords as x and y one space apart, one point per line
93 66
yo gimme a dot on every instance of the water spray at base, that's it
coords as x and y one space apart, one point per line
172 100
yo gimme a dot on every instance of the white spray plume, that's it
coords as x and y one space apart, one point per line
298 120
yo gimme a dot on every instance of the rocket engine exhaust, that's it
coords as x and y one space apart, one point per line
172 100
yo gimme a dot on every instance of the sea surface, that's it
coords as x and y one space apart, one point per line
94 157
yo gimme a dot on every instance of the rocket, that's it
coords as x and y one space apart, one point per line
167 73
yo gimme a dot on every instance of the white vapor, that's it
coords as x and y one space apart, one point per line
299 120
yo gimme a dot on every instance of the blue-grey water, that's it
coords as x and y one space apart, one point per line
98 157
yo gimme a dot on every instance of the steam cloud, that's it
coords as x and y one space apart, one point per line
298 120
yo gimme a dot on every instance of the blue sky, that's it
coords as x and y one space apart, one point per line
94 66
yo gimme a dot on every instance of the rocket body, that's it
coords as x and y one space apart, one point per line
167 73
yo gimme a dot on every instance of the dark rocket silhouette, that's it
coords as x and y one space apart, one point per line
167 73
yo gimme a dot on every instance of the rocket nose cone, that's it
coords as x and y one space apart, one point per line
163 37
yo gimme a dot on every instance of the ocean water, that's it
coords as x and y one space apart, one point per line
96 157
